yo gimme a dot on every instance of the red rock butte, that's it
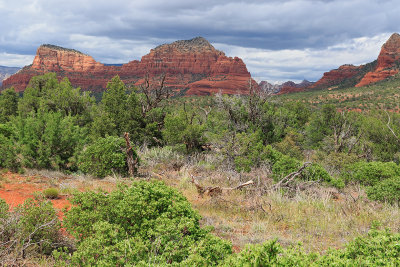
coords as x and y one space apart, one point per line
191 67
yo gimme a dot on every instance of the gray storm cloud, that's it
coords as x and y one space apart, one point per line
278 40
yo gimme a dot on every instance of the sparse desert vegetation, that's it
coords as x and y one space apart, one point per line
219 180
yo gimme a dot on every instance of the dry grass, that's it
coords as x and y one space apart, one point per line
318 217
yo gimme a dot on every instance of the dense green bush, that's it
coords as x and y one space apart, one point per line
49 140
283 166
104 157
316 172
371 173
8 151
146 222
387 190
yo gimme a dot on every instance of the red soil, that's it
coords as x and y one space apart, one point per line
16 189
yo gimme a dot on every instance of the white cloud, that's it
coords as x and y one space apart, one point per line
277 39
14 60
295 64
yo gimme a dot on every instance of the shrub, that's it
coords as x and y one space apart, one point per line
8 153
51 193
316 172
371 173
32 228
378 248
387 190
155 223
104 157
283 166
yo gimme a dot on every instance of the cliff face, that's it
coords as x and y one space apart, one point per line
192 67
387 64
51 58
336 77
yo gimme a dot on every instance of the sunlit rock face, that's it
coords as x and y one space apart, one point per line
191 67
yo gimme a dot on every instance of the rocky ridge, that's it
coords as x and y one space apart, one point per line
192 67
386 65
284 88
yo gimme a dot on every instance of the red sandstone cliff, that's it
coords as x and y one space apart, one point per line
388 62
387 65
192 67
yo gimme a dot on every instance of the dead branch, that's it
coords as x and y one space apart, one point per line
216 190
290 177
388 125
131 160
153 94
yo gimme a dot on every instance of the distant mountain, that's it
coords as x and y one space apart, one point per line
269 87
287 87
191 67
6 72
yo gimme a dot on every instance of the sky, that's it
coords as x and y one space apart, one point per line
278 40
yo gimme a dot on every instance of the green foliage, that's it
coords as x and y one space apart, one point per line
104 157
371 173
120 110
144 223
8 104
49 140
186 128
39 223
8 152
243 150
51 193
256 255
284 166
387 190
316 172
3 211
378 248
45 94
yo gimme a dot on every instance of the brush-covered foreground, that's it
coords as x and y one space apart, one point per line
235 170
145 223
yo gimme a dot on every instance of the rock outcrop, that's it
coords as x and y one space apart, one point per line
192 67
388 62
387 65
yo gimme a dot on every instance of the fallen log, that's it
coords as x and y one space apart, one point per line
216 190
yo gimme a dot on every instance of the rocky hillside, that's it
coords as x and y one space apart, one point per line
6 72
192 67
387 65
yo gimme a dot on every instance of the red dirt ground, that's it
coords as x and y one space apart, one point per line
15 189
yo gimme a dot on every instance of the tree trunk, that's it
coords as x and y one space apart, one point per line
130 159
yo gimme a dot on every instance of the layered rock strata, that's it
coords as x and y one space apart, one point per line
192 67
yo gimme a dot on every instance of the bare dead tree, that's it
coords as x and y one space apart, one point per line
131 160
390 128
153 93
